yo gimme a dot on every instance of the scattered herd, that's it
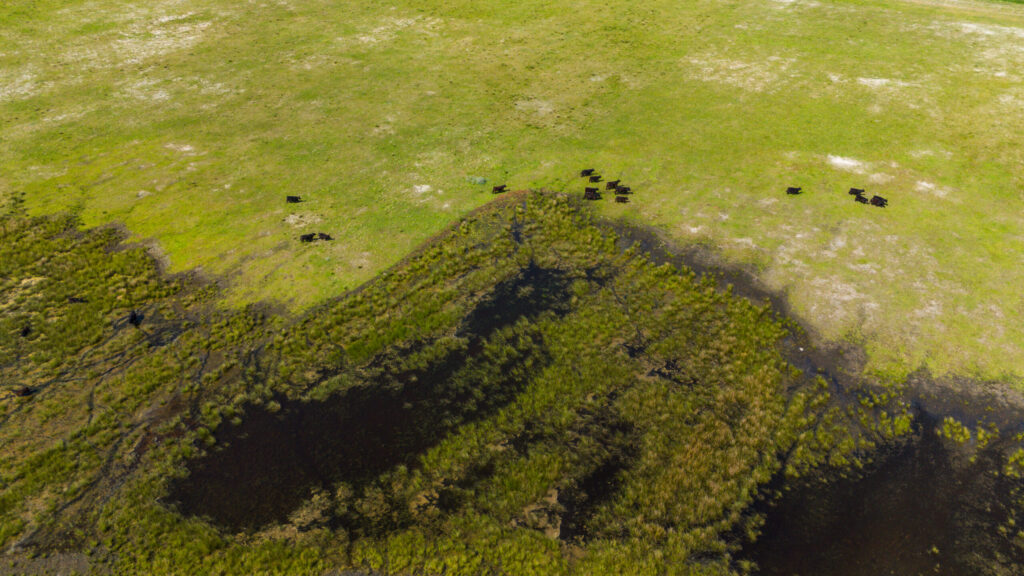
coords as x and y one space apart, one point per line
312 236
594 192
590 192
315 236
857 193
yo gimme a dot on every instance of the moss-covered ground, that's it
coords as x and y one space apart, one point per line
190 120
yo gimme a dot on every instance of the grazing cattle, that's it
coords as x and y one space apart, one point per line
856 192
622 199
879 201
293 199
591 194
612 185
308 237
861 199
25 331
324 236
595 178
499 189
793 191
586 172
623 190
76 300
23 391
134 318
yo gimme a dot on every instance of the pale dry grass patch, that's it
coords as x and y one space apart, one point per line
931 188
789 4
768 75
21 84
143 32
390 27
146 90
183 149
884 83
144 43
1000 47
837 305
847 164
302 220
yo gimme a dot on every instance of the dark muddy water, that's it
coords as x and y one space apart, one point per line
921 509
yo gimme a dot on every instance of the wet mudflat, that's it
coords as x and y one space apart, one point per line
920 509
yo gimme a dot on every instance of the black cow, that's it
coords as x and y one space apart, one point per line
23 391
612 185
856 192
860 198
293 199
308 237
622 199
591 194
134 318
76 300
595 178
623 190
499 189
25 331
879 201
586 172
793 191
324 236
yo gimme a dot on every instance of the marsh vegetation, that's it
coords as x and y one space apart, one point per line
528 393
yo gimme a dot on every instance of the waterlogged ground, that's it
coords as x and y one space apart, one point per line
528 394
190 120
920 508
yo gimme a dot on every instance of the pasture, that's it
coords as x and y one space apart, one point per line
191 120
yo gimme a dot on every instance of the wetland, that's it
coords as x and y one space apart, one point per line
535 391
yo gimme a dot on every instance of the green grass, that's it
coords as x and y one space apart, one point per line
709 110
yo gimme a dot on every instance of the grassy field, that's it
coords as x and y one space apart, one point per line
190 121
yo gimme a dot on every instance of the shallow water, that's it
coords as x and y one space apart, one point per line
920 509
